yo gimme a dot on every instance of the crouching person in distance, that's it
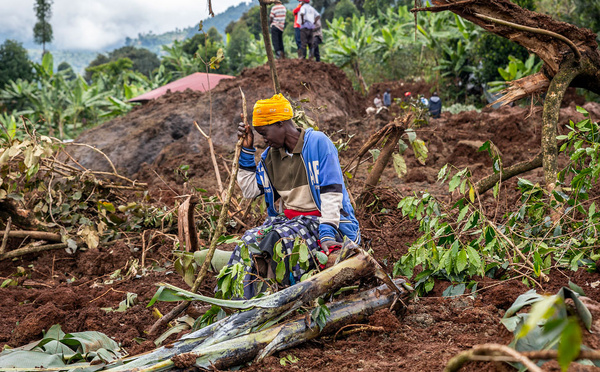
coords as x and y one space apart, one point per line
300 177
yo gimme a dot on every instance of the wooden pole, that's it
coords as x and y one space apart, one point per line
264 17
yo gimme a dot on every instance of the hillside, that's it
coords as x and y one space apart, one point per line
80 59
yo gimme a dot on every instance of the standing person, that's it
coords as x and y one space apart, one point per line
307 16
317 39
387 98
277 21
377 101
300 176
435 105
297 25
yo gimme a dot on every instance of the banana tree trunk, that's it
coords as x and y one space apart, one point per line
258 345
260 310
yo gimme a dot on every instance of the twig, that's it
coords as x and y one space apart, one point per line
213 158
489 350
103 294
359 328
5 238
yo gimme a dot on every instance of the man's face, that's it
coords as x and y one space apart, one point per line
274 134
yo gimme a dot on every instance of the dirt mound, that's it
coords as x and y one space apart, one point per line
164 128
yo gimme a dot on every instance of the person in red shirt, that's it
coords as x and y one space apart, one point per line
297 25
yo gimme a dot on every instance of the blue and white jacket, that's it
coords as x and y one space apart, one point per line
325 179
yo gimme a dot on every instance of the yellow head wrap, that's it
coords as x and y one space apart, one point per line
272 110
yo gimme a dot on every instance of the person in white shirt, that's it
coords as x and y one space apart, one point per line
307 17
377 101
277 21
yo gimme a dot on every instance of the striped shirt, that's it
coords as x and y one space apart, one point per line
277 16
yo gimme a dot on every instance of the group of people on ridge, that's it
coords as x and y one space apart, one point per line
434 104
307 29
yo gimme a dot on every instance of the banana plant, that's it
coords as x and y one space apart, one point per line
351 41
516 69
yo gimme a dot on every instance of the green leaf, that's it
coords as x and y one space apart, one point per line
454 290
303 253
569 345
541 310
461 261
399 165
280 271
321 257
420 150
442 172
462 213
412 136
577 289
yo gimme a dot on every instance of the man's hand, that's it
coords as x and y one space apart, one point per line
328 244
246 132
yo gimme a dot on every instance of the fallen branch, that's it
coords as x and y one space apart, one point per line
41 248
488 182
37 235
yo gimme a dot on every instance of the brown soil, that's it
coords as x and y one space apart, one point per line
157 138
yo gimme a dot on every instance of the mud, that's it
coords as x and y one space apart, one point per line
153 140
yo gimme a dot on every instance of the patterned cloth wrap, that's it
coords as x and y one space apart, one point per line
305 227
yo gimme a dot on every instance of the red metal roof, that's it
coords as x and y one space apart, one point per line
200 81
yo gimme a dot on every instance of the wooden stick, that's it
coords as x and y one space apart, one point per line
267 39
38 235
40 248
216 233
5 238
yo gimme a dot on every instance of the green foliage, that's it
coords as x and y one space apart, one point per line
319 314
14 63
460 241
345 9
516 69
238 44
58 349
288 359
493 51
142 61
548 323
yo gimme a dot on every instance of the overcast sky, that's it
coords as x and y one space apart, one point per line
95 24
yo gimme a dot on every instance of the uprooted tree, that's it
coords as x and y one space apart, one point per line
570 55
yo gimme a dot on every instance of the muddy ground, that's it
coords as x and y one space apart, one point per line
153 140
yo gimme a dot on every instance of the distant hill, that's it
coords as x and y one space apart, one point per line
79 60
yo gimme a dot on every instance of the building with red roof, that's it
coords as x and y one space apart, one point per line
199 81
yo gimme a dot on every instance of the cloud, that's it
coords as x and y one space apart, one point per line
97 24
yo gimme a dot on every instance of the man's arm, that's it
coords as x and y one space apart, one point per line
247 175
331 187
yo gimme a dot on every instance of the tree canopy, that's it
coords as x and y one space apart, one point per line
14 63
